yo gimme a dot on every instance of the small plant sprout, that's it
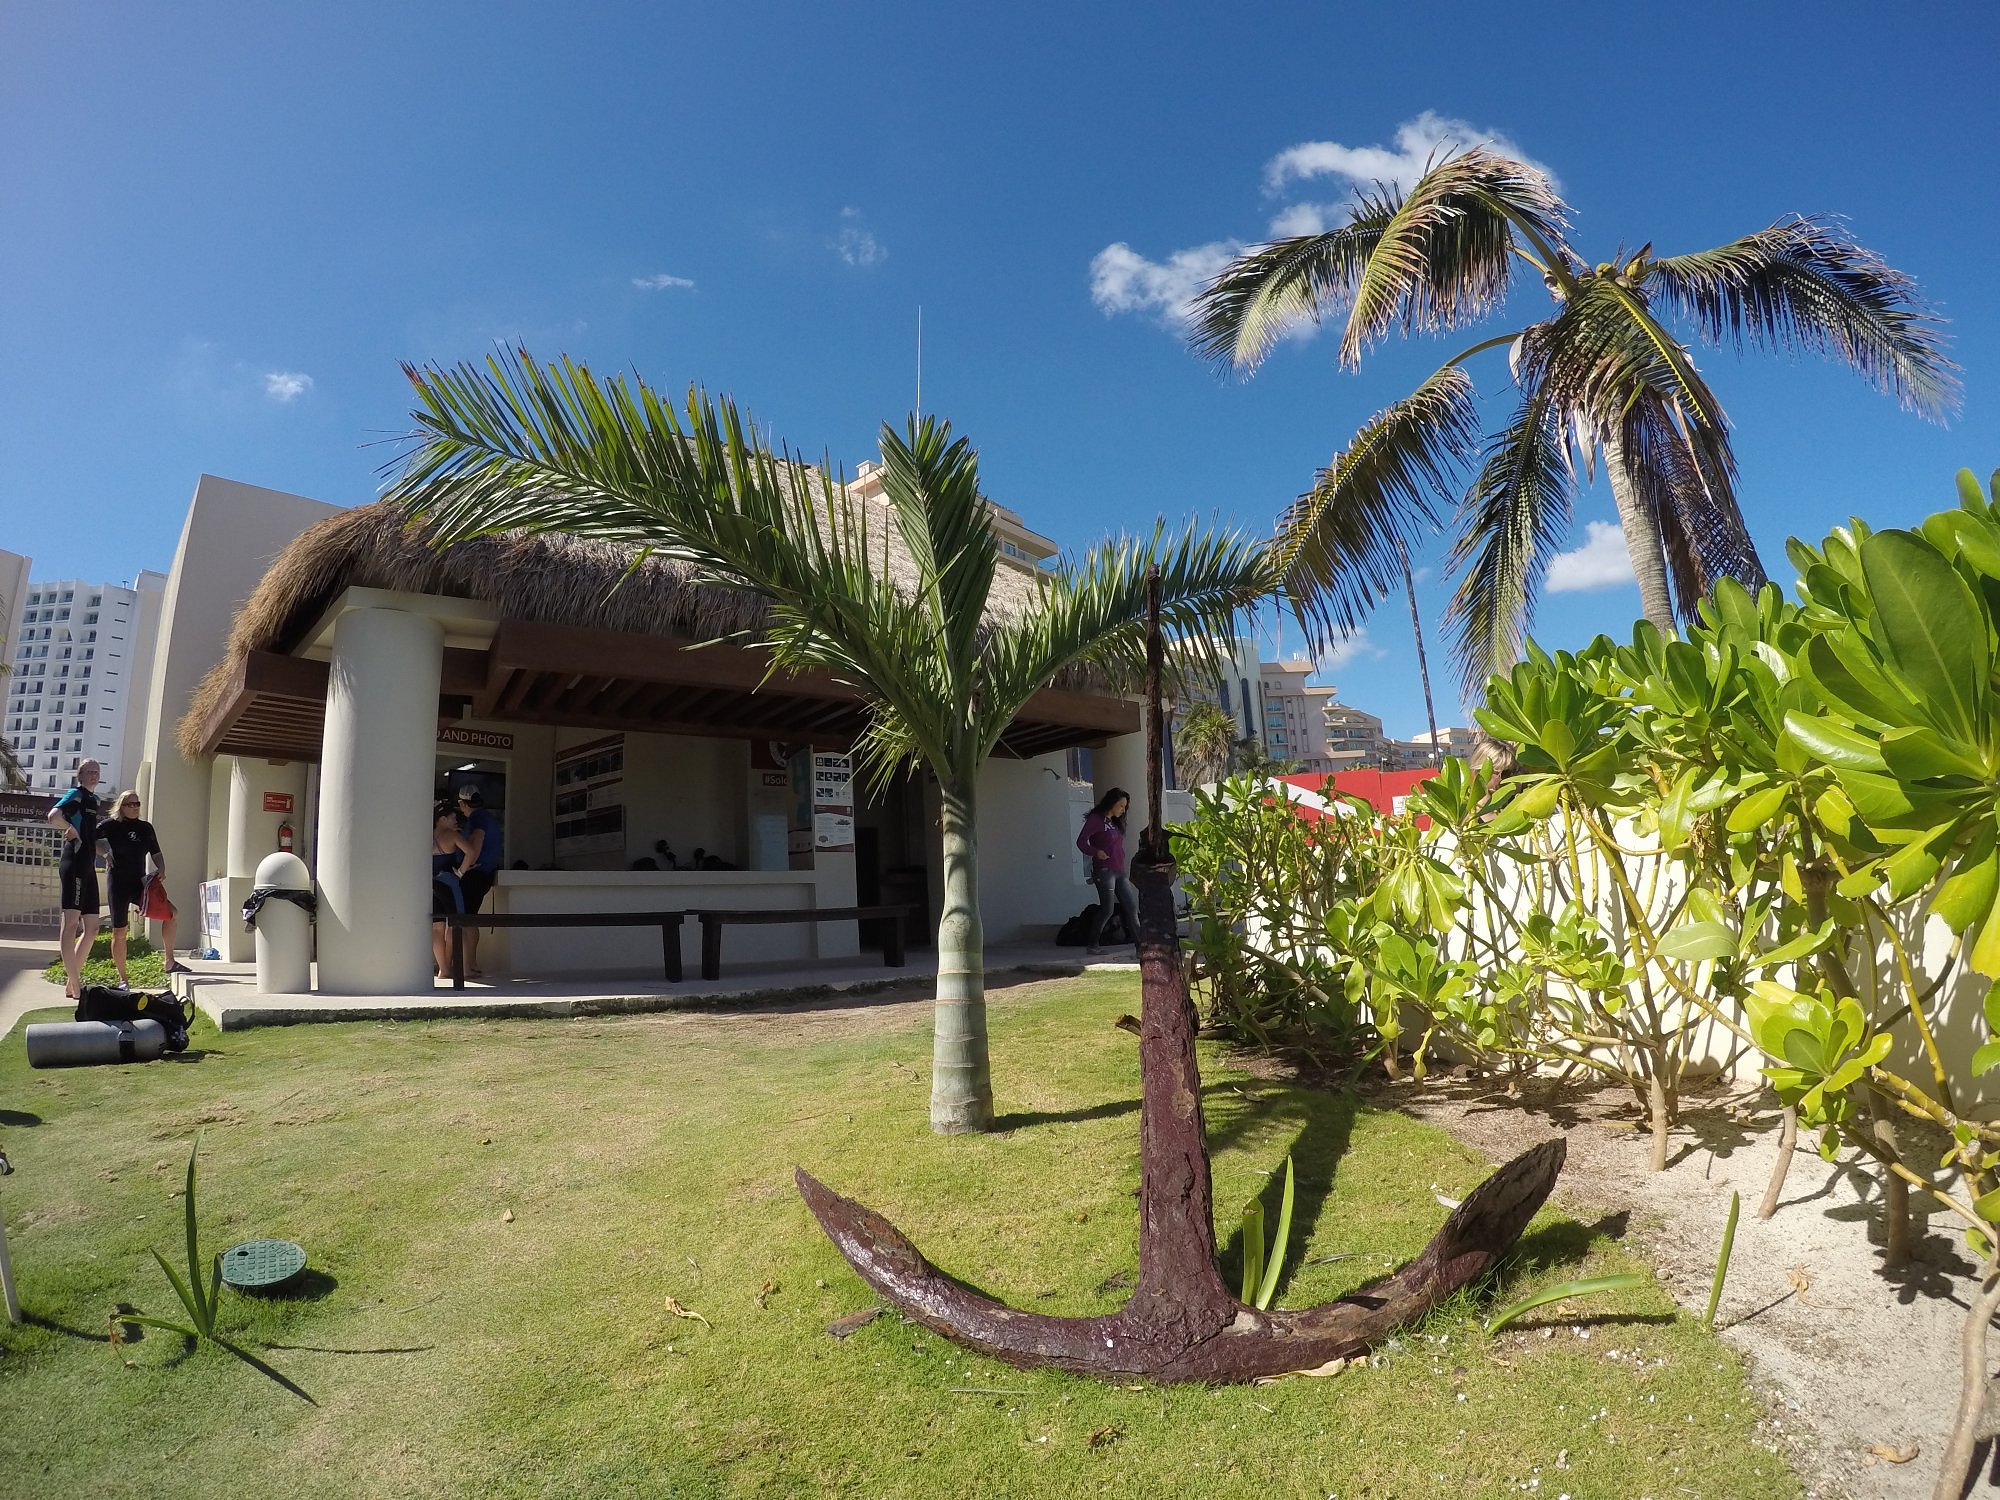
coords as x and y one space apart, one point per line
1722 1260
1623 1282
200 1295
1260 1275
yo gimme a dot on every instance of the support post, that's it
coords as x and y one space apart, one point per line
375 797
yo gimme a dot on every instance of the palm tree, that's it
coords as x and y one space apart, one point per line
517 447
12 777
1602 376
1204 743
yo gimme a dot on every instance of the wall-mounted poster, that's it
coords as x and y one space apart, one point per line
590 798
833 804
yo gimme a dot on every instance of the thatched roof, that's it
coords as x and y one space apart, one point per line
552 579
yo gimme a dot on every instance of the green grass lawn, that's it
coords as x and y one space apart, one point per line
648 1158
145 965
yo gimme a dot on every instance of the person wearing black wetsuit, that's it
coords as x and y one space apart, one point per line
76 814
129 846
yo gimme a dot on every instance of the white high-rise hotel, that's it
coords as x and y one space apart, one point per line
78 652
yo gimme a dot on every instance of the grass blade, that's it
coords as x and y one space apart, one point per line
1620 1283
1269 1288
1722 1261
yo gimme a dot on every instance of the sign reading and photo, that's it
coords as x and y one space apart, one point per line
476 739
278 802
833 804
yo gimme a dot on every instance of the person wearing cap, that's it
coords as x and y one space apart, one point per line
479 832
130 845
76 814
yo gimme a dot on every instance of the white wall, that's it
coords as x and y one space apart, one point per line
231 534
1028 881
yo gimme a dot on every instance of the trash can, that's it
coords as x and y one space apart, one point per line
280 909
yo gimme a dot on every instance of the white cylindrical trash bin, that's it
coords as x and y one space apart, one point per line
284 929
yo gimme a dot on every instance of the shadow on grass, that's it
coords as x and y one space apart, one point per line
85 1335
309 1285
1326 1121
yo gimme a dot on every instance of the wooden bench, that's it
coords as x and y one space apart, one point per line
669 923
713 921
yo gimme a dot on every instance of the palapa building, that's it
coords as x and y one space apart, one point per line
324 674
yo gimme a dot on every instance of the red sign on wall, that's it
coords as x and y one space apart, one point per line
278 802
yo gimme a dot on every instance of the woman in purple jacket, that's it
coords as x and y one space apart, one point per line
1103 839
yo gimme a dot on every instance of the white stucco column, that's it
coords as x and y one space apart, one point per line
253 828
375 796
1121 762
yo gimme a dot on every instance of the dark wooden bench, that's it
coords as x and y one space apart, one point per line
713 921
669 923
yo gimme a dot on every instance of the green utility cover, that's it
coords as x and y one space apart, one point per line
258 1265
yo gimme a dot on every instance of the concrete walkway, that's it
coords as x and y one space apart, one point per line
22 987
227 993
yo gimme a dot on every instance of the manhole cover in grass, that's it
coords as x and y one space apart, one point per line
259 1265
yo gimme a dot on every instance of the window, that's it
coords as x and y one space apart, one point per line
91 618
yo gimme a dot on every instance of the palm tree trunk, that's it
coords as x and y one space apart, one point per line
961 1084
1642 537
1423 664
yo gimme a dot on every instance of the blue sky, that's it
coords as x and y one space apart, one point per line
226 224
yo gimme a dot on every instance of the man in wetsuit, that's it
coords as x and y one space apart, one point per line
76 813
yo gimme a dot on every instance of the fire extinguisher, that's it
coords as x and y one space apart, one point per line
285 837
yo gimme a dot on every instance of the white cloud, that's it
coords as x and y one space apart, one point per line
1123 280
1600 563
1417 142
1347 650
661 283
286 386
856 243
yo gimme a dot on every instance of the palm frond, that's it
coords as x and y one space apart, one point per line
932 482
1602 358
519 447
1094 611
1340 545
1511 523
1704 540
1806 284
1273 288
1446 251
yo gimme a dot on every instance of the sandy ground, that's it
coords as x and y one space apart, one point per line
1846 1354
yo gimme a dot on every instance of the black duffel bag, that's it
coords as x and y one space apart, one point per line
102 1003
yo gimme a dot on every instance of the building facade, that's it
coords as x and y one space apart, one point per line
325 674
81 657
1295 717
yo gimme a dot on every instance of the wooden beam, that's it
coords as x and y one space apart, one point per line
568 648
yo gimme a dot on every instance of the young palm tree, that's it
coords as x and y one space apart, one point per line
1600 376
514 446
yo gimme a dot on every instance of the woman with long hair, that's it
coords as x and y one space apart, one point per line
1103 839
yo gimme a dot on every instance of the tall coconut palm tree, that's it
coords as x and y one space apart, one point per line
513 446
1601 377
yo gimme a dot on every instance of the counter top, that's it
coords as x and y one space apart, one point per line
661 879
